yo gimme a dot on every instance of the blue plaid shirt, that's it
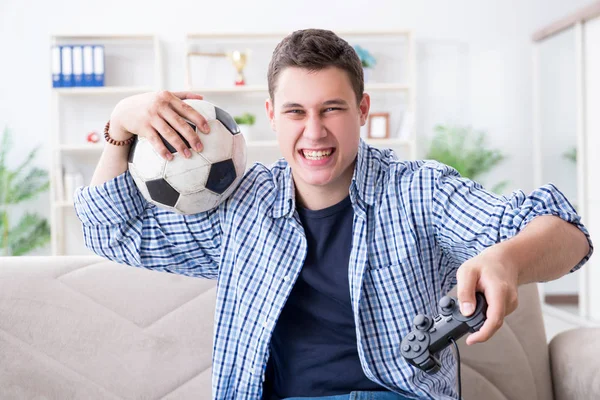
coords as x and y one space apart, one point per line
414 224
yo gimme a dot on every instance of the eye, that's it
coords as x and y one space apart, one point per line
293 111
333 109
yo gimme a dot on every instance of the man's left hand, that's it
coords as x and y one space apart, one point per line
487 273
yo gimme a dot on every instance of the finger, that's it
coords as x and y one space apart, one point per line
153 137
495 314
188 95
171 136
181 126
466 278
188 112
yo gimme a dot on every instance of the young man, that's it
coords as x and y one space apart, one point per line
323 259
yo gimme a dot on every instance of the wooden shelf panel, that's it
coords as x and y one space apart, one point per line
102 90
264 89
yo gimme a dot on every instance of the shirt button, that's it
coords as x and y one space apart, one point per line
286 278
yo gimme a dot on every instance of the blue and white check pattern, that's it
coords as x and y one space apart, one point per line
414 224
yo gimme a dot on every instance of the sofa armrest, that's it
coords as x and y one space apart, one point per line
575 363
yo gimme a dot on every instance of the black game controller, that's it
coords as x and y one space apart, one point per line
429 336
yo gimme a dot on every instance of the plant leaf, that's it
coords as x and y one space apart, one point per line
35 182
463 149
31 232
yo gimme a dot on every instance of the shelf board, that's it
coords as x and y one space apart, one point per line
124 36
232 89
82 148
102 90
281 35
265 89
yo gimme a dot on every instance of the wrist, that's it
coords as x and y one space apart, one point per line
116 130
116 142
502 254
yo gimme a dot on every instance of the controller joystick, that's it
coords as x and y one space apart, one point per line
446 304
430 335
422 322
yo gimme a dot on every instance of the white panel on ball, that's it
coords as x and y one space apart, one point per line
218 143
139 181
239 154
153 163
203 107
187 175
190 204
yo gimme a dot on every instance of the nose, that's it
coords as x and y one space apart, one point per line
314 128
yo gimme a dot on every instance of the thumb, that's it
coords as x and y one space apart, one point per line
188 95
467 278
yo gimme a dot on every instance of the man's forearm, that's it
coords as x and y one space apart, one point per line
113 162
546 249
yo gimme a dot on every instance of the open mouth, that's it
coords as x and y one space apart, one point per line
315 155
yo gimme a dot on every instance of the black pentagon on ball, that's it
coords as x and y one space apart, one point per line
221 176
161 192
132 149
227 121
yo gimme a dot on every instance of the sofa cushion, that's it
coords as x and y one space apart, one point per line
576 369
514 363
84 327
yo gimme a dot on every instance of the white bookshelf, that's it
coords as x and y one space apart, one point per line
133 65
392 86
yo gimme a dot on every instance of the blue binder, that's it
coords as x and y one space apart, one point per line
98 65
56 68
88 65
77 65
66 53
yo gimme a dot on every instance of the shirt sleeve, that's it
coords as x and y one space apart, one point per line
467 218
119 224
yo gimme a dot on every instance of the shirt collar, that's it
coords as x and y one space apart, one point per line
362 185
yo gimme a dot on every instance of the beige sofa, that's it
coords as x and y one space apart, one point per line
86 328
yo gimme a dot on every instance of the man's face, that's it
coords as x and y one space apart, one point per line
318 125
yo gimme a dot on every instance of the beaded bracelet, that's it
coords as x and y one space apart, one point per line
113 141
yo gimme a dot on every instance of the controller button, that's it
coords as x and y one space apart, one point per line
406 348
449 319
420 337
446 305
411 337
416 347
432 330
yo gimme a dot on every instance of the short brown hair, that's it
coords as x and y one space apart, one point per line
316 49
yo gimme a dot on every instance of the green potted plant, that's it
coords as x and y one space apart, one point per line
571 155
16 186
367 60
465 150
245 122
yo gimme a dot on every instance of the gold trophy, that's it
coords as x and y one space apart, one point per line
239 60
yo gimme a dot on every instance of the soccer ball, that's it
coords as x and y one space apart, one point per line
201 182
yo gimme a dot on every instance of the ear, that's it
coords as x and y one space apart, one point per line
364 107
270 109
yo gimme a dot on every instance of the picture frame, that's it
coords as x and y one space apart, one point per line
379 126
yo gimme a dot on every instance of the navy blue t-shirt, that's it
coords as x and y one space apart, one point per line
313 347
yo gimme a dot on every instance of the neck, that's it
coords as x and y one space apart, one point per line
320 197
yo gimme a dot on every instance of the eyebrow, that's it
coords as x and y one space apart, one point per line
339 102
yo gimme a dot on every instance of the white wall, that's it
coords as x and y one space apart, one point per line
474 57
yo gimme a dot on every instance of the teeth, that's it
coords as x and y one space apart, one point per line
316 155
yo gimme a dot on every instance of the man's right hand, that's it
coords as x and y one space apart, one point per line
159 113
